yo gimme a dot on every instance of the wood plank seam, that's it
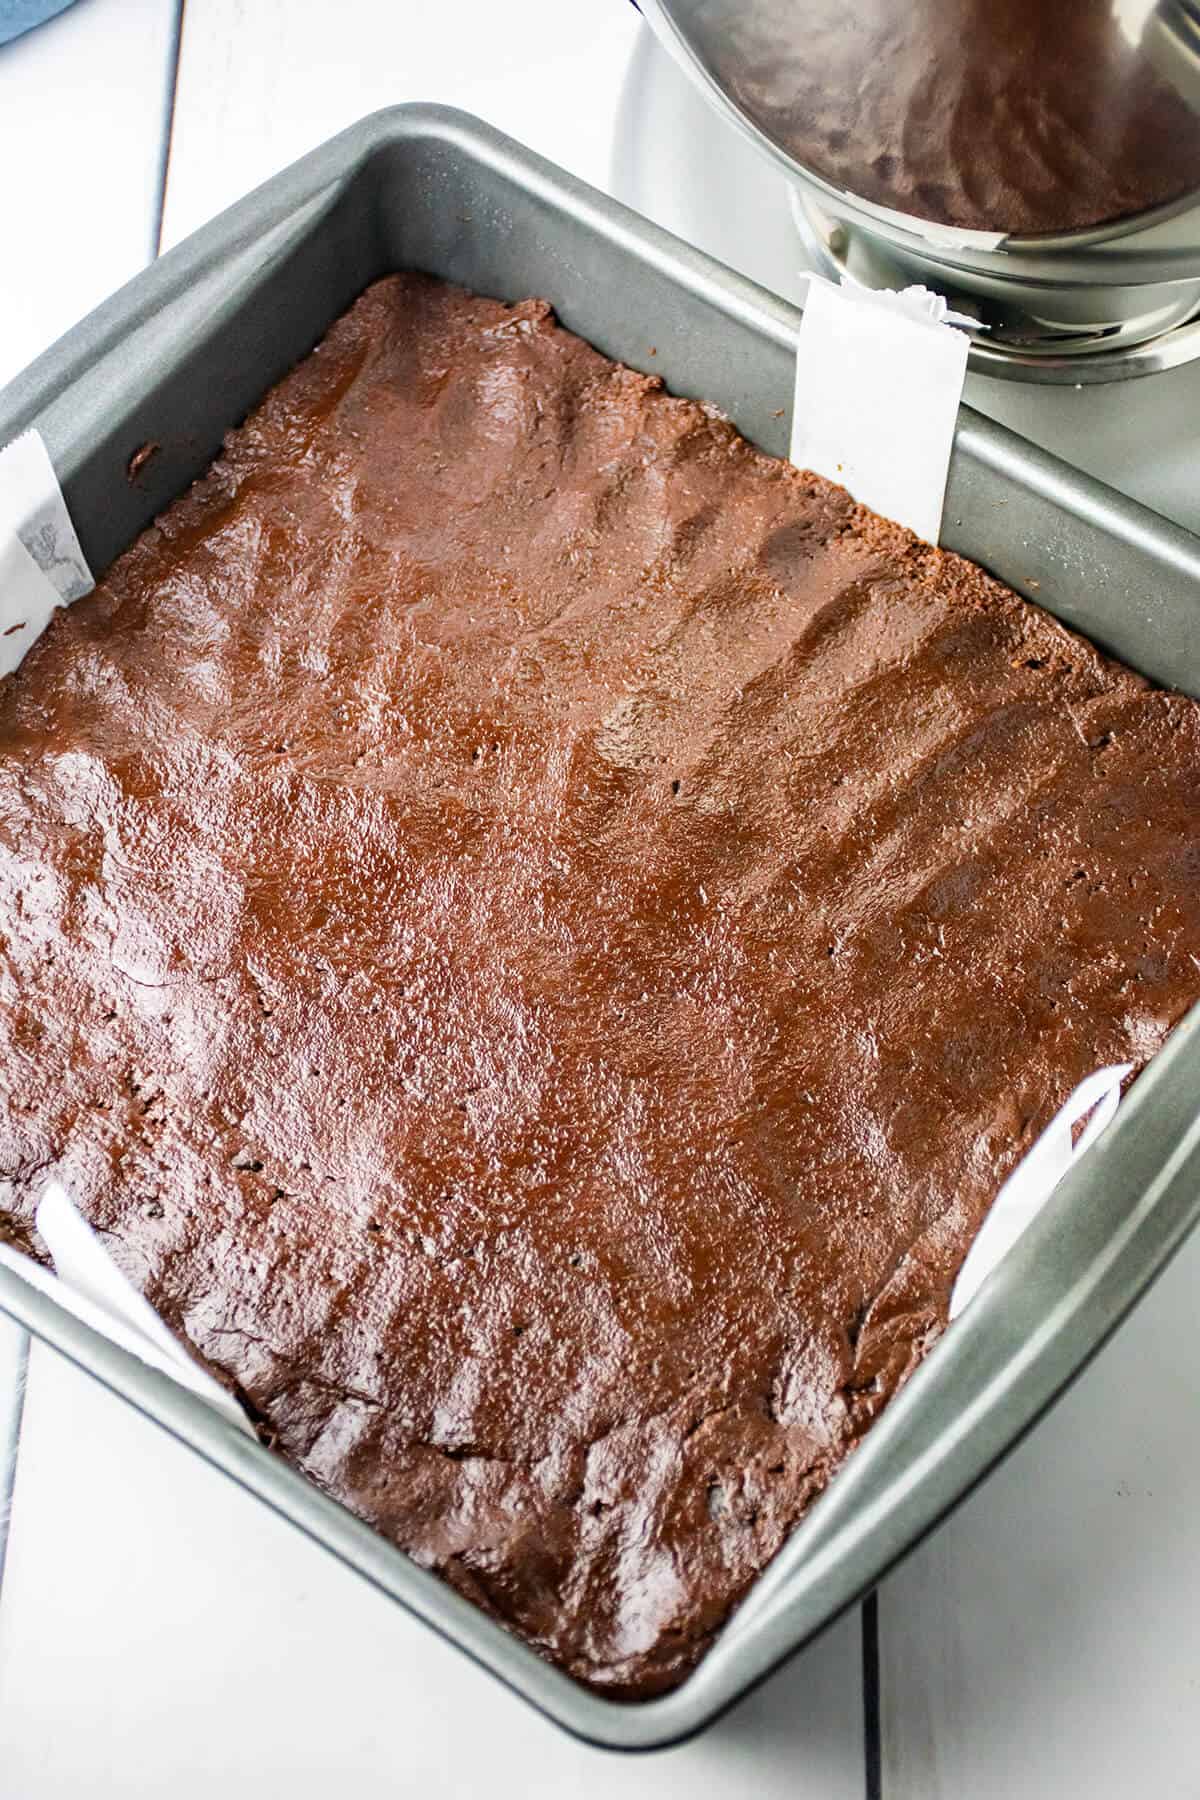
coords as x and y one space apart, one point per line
164 162
8 1451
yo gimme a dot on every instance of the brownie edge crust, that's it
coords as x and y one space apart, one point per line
536 931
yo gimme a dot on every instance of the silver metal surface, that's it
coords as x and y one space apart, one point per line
181 354
1073 336
1087 306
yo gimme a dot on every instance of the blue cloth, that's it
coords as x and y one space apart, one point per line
17 16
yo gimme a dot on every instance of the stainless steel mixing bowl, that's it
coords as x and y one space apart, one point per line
983 163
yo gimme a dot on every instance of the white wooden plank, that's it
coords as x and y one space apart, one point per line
162 1632
1047 1640
262 81
83 110
14 1350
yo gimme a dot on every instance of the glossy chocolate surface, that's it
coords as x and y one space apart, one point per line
536 931
1020 116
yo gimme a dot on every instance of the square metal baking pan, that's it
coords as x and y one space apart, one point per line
182 352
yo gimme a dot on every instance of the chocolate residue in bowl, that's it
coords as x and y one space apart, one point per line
992 115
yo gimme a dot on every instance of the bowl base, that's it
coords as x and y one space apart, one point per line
1068 335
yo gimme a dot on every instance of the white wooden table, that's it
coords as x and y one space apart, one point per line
162 1633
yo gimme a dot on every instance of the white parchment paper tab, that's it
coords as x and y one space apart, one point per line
27 602
89 1284
879 378
1037 1175
41 562
32 509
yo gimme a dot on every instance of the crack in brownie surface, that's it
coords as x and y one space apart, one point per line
537 931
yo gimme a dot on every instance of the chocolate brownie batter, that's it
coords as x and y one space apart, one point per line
1022 116
537 931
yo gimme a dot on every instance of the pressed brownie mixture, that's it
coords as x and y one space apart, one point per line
536 932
